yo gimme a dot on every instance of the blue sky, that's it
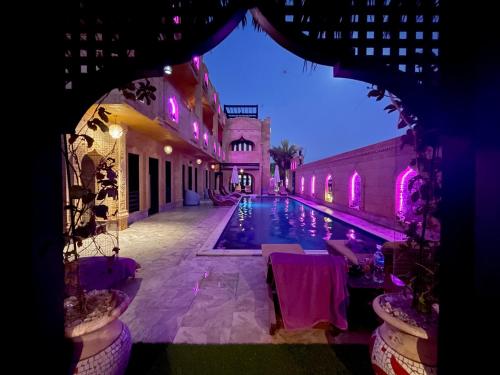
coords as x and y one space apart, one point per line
325 115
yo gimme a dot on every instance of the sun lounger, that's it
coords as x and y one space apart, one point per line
220 201
307 291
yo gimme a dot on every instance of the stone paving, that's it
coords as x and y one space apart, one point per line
180 297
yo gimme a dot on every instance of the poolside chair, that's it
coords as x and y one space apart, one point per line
224 192
307 291
268 248
283 191
219 201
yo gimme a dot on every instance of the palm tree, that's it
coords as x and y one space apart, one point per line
283 154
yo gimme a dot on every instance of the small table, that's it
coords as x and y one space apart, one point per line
362 292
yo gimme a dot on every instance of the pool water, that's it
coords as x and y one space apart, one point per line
282 220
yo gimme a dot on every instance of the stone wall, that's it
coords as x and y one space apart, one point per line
378 165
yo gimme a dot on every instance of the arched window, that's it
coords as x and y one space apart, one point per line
355 191
242 145
302 184
313 185
196 131
404 204
173 109
246 180
329 188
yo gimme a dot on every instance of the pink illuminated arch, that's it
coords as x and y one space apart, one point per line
173 109
329 188
215 148
403 194
206 79
196 62
302 184
355 191
313 185
196 131
205 139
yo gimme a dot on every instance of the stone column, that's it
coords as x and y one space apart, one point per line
121 149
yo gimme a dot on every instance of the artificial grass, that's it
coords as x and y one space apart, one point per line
258 359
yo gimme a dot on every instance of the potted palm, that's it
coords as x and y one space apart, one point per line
101 341
406 342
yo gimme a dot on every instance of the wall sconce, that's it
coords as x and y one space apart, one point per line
212 166
115 131
168 149
167 69
199 161
241 170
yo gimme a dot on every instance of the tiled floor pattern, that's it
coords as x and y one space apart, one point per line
183 298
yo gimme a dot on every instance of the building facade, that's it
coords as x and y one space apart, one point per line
171 145
370 182
247 141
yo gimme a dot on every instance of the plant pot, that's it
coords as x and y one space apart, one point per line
102 345
400 348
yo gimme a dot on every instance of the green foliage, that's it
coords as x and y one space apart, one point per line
423 232
283 155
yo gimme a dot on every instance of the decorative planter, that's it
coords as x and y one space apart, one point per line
102 345
400 348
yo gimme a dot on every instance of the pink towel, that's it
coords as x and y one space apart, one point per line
311 289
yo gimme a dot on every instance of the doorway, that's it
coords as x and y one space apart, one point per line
153 186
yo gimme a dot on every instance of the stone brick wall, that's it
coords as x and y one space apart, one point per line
378 166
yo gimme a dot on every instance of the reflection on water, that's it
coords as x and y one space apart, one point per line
284 220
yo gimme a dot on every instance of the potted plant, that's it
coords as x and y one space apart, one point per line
406 343
102 343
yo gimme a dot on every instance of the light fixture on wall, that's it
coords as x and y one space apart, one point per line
212 166
241 170
167 69
199 161
115 131
168 149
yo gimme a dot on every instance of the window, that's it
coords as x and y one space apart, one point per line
196 131
173 109
329 188
355 191
403 204
242 145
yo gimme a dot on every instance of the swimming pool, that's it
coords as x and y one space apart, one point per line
259 220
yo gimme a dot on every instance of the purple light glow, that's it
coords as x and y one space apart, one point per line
302 183
173 109
195 130
206 79
205 139
313 184
223 155
215 148
218 110
219 151
196 62
355 189
177 20
402 191
215 97
329 188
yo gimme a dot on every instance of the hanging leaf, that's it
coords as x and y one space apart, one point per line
91 125
112 193
101 125
390 107
77 191
101 211
129 95
373 93
73 137
103 114
101 195
90 140
87 198
401 123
